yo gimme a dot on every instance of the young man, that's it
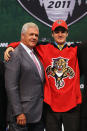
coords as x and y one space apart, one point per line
62 88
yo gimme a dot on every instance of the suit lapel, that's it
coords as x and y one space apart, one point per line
26 56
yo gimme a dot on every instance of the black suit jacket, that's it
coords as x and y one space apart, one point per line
3 98
82 57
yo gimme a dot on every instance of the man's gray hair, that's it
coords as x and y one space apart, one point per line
29 25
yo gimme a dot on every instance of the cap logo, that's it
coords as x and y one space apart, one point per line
59 22
48 11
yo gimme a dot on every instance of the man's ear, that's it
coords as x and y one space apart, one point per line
67 34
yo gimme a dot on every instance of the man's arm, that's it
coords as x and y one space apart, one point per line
10 48
14 44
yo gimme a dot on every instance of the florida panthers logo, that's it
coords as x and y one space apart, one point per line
59 71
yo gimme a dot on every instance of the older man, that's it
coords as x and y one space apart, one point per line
24 80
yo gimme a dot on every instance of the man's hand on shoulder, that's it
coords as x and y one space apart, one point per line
6 53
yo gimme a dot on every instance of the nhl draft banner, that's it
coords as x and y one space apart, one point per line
47 11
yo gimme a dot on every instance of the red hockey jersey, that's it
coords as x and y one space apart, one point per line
62 87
